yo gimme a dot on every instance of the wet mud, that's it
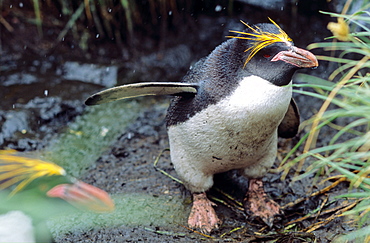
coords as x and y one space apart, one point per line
127 167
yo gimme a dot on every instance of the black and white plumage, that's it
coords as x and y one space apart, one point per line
227 114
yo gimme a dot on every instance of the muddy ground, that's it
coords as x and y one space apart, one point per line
39 103
128 168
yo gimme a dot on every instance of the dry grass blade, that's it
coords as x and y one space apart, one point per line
338 214
231 231
318 214
162 232
232 199
162 171
71 22
326 189
322 205
227 204
126 6
284 237
36 7
197 232
16 169
7 26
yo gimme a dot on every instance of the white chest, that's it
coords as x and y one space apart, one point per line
238 129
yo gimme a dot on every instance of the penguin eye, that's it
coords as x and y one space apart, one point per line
266 55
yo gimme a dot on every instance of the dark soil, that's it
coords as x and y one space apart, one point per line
130 160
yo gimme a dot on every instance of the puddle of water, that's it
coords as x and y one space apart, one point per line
71 80
40 96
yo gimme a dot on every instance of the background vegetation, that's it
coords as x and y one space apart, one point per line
84 22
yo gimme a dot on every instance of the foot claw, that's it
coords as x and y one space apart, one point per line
202 215
258 204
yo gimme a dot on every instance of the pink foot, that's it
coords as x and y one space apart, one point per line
258 204
202 215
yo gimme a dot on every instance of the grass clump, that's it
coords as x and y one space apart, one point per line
347 154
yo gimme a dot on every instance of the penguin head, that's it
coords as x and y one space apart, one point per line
268 52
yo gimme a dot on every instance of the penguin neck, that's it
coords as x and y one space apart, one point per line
279 78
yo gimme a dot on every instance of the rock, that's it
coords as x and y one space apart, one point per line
90 73
267 4
14 121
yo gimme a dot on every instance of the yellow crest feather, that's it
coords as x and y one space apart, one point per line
14 169
260 38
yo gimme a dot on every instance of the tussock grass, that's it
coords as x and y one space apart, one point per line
347 154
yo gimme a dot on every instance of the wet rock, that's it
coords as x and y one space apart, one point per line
267 4
26 144
31 126
45 108
90 73
12 122
19 78
48 109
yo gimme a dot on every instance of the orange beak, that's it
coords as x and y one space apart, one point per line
83 195
297 57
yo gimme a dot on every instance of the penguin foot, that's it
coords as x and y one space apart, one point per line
258 204
202 215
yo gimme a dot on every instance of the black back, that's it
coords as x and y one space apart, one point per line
219 74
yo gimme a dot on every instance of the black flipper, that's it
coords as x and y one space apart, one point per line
141 89
288 127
